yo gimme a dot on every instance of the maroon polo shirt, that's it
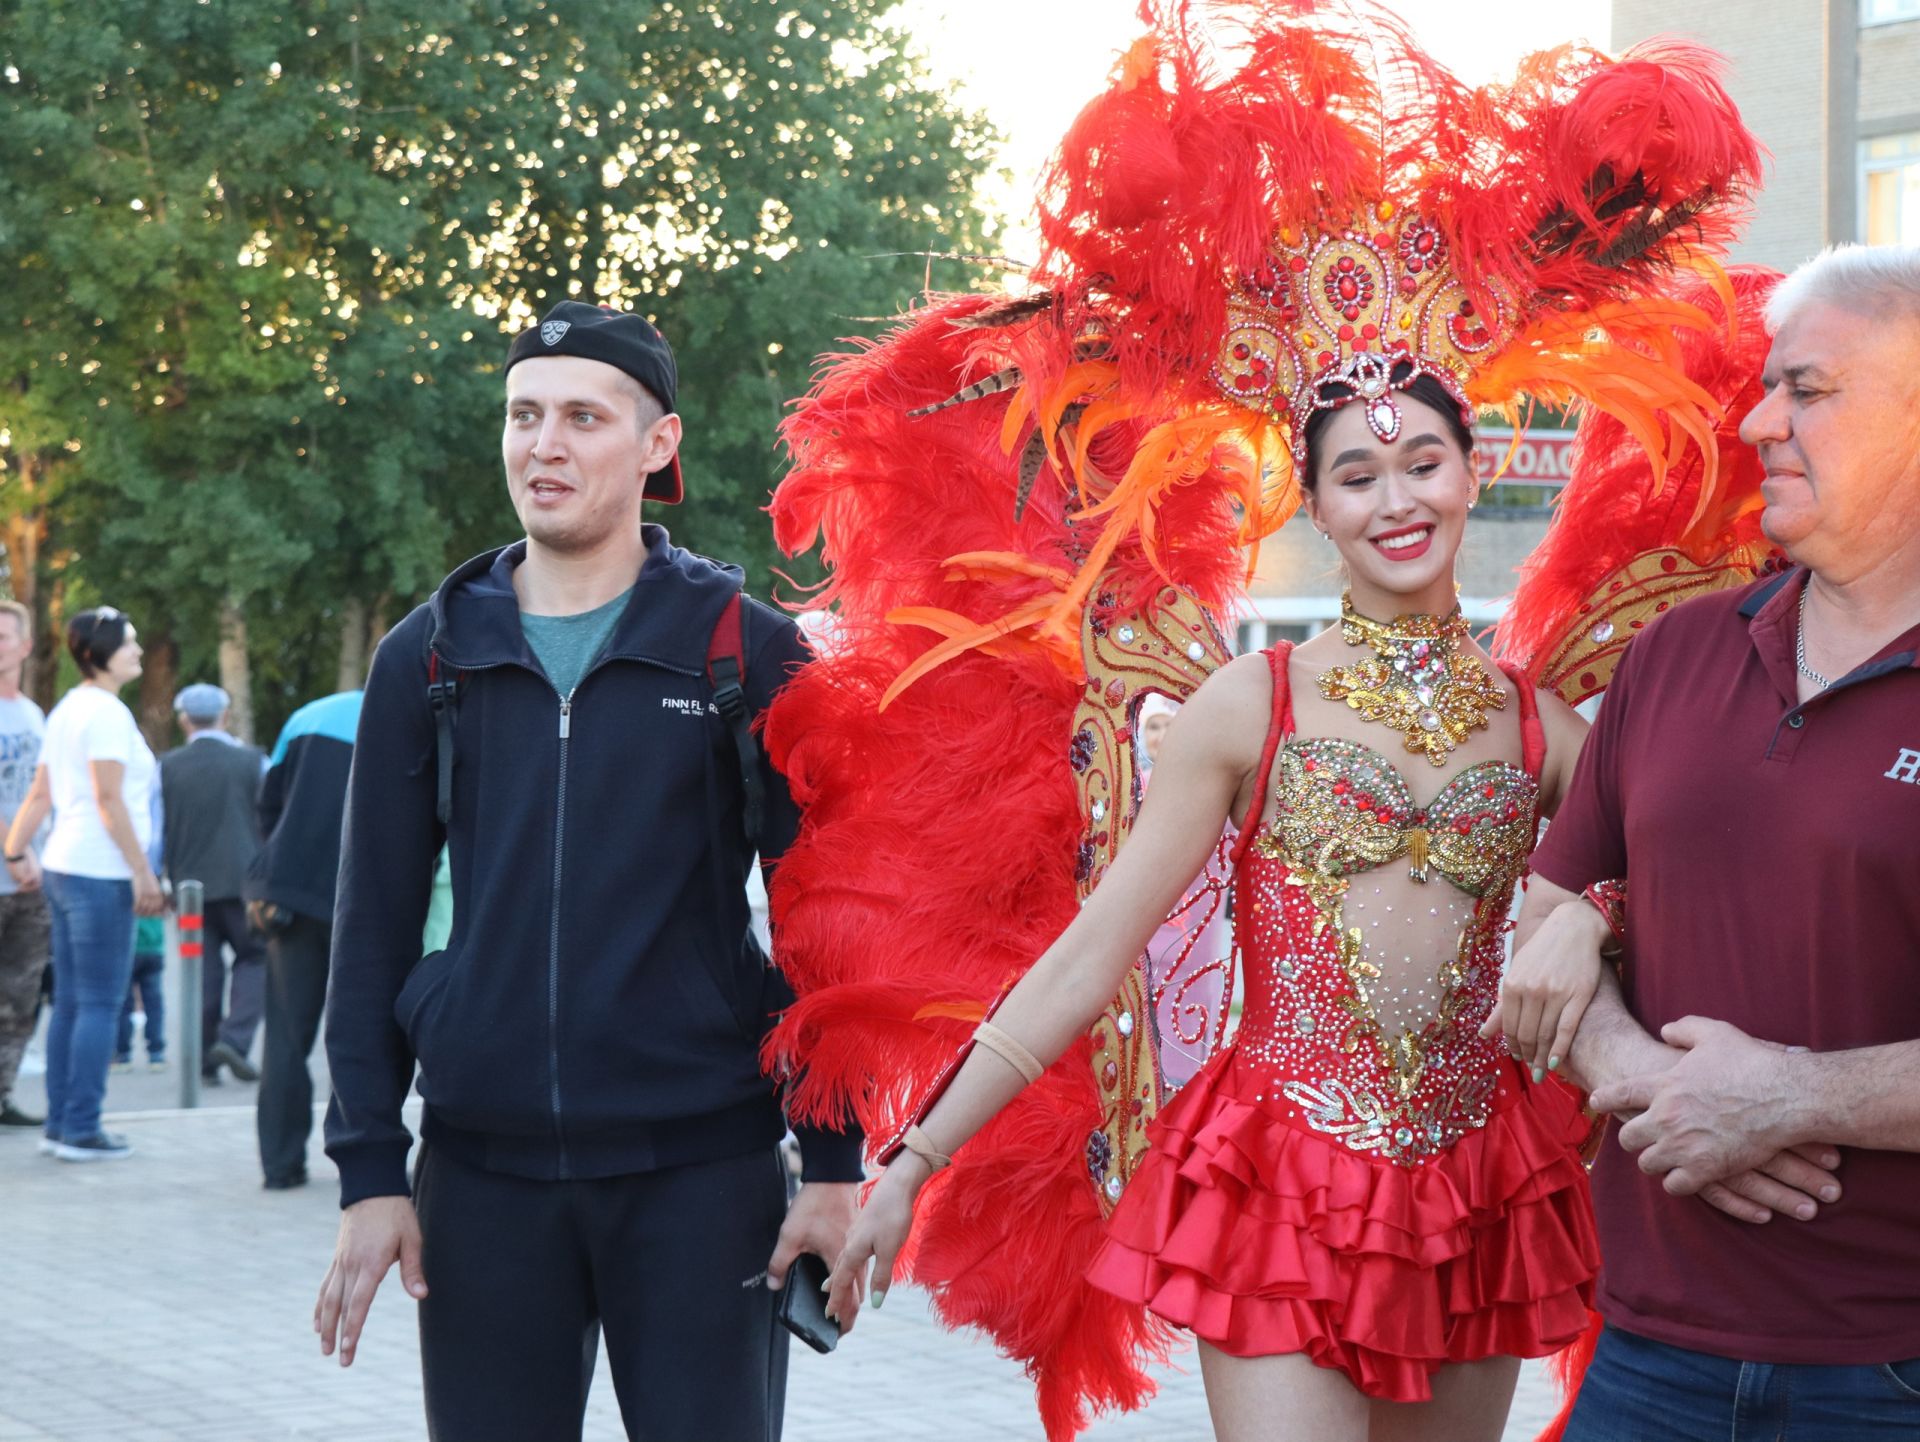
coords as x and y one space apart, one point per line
1772 856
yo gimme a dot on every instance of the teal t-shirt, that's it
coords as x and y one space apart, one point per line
567 645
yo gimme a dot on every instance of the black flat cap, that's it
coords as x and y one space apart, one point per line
626 342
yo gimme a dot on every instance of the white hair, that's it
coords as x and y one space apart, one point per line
1157 704
1868 280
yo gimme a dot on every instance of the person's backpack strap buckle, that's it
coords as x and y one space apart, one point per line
726 670
443 696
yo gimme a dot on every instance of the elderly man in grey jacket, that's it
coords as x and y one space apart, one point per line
210 791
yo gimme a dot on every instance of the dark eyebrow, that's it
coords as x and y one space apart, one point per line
577 405
1411 443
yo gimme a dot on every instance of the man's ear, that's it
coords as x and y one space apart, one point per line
662 442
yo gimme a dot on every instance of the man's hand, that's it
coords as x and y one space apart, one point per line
817 1222
1788 1183
1724 1107
374 1234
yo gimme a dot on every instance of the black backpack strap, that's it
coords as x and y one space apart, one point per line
727 671
443 696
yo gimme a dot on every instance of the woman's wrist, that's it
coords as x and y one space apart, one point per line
914 1170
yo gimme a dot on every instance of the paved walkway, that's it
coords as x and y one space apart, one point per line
167 1298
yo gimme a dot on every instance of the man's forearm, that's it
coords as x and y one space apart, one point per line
1611 1044
1865 1097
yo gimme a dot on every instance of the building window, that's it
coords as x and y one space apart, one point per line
1890 189
1885 12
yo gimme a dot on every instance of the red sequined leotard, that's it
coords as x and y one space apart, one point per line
1358 1176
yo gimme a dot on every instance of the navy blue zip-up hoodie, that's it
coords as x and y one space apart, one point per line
599 1006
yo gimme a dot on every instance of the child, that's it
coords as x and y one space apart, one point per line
149 967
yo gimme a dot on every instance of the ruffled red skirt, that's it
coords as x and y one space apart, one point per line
1265 1238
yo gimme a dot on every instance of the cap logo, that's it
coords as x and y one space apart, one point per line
552 330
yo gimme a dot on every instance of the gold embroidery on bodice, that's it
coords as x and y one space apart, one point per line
1345 810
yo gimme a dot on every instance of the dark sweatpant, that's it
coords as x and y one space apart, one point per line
296 996
522 1277
226 924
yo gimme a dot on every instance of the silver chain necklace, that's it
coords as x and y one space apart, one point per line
1800 644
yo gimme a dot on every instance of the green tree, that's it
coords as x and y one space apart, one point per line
269 254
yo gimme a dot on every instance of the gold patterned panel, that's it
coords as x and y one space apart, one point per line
1580 664
1166 648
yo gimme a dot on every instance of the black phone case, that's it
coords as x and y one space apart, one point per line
803 1304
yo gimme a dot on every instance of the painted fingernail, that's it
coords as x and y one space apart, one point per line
878 1298
1553 1063
1538 1076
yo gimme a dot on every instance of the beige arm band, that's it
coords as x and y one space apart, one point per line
921 1145
1009 1051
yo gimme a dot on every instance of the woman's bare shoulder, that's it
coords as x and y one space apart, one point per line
1232 707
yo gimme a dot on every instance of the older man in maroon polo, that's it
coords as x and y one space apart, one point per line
1755 775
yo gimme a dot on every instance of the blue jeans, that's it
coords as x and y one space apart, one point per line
149 968
1638 1390
92 963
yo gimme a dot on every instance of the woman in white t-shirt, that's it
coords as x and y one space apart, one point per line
96 775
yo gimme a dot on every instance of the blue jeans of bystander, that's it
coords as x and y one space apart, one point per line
1639 1390
92 962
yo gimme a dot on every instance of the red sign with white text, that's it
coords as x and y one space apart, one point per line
1543 458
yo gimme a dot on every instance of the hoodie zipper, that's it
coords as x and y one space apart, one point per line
553 933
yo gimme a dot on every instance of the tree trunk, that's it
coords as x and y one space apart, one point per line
353 646
25 535
235 673
159 683
377 625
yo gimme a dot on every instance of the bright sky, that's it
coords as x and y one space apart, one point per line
1031 64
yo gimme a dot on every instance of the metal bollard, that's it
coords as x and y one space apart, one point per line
190 904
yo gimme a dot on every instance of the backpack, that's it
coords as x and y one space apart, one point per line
726 673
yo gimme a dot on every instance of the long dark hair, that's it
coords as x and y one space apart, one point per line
1424 389
94 635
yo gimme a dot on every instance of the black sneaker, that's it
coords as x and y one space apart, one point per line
286 1183
12 1116
100 1147
224 1054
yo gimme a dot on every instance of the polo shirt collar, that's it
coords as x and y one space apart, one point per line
1773 621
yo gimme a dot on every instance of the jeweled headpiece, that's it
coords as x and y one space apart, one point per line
1353 315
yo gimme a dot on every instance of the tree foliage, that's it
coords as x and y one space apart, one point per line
268 253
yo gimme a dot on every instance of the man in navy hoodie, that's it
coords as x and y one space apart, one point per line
599 1146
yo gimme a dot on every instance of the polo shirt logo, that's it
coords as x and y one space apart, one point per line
1906 767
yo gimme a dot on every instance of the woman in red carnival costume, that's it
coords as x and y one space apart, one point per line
1287 270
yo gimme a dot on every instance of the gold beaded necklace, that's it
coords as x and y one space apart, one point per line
1420 681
